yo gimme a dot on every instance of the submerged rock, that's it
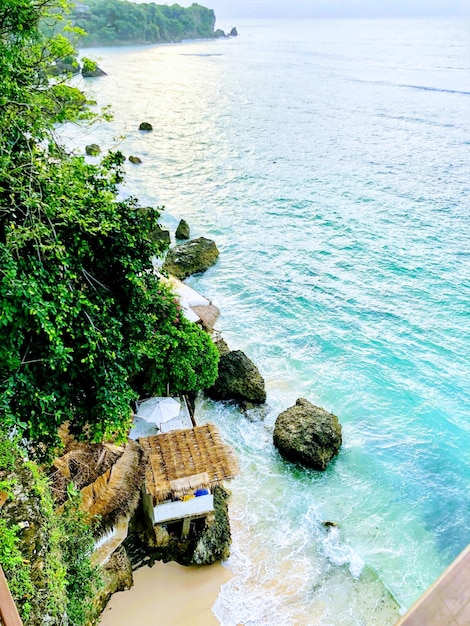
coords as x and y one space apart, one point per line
308 434
135 159
93 149
145 126
182 232
238 379
192 257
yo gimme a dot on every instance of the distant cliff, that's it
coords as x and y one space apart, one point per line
117 22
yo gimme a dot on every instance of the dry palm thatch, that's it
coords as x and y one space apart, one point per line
184 486
116 493
82 464
184 454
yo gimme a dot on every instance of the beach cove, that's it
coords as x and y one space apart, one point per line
168 594
333 183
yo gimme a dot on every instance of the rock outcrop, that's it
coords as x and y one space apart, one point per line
160 234
116 575
64 66
308 434
191 257
93 73
238 378
135 159
93 149
145 126
183 231
234 32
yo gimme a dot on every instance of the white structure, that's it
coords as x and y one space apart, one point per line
160 415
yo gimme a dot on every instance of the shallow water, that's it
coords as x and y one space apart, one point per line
329 161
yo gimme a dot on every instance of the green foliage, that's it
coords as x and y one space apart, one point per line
82 312
14 566
45 557
88 65
111 22
82 579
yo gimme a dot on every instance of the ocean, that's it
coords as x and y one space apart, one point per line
329 160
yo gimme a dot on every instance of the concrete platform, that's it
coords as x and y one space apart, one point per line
447 601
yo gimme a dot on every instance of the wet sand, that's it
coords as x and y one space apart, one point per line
168 594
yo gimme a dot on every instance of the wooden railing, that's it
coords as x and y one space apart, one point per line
9 615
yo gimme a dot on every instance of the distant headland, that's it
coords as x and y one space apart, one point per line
118 22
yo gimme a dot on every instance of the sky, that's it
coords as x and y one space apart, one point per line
329 8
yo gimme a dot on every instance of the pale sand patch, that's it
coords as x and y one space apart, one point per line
168 594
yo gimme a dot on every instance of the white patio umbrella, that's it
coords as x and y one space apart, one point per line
159 410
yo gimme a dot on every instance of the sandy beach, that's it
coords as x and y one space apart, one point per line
168 594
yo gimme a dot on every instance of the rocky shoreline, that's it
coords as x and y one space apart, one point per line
303 434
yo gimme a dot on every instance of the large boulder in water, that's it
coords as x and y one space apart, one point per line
238 379
308 434
191 257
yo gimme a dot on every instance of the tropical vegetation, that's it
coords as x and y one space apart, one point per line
114 22
86 325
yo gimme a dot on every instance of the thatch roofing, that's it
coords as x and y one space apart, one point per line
81 464
184 460
116 493
108 477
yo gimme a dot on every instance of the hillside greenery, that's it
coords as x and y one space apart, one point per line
82 312
114 22
86 325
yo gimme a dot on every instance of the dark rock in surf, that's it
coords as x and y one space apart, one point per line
308 434
238 379
191 257
145 126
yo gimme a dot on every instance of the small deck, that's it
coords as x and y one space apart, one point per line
447 601
174 511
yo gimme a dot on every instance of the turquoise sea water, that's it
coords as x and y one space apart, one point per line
330 162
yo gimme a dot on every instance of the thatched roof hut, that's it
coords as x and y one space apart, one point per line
183 461
108 477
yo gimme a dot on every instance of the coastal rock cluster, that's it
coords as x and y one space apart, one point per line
238 379
308 434
192 257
